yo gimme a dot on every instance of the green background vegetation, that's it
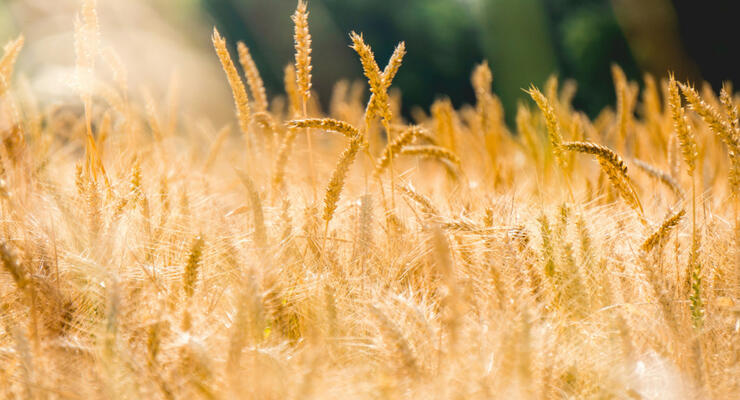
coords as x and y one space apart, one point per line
524 40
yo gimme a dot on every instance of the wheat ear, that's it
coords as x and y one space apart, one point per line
392 148
652 111
221 136
716 121
303 67
87 40
394 63
265 121
390 71
192 265
615 168
327 124
10 262
302 38
336 183
725 96
551 120
665 229
732 113
682 127
393 334
7 62
432 151
291 89
254 80
260 232
235 82
690 155
380 102
481 79
374 76
423 201
623 109
660 175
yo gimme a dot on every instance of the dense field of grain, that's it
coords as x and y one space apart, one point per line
351 253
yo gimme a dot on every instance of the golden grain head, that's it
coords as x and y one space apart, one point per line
238 90
302 39
662 233
254 80
681 125
551 120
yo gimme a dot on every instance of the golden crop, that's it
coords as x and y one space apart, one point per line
350 253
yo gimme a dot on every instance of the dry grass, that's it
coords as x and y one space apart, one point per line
145 261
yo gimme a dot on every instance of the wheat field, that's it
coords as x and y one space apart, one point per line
346 253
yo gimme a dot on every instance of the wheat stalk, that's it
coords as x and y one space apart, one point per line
221 137
734 174
379 99
303 67
690 155
282 157
87 40
365 229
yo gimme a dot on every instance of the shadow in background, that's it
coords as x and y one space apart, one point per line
524 40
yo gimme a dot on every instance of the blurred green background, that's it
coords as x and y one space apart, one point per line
523 40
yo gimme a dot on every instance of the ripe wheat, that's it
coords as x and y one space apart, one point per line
135 265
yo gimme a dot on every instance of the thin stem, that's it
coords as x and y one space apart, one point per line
693 210
311 174
326 236
386 126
